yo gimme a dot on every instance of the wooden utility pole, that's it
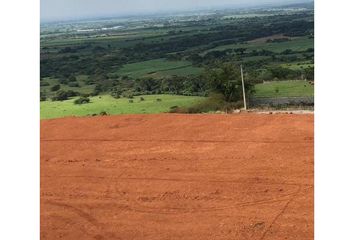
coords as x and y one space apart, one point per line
243 90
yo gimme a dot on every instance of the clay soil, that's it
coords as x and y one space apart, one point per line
245 176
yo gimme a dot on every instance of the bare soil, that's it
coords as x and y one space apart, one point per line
171 176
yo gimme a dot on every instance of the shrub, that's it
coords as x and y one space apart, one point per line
116 92
60 96
82 100
128 94
158 99
142 99
215 102
43 84
103 113
73 84
131 101
55 88
95 93
63 81
72 78
72 93
43 96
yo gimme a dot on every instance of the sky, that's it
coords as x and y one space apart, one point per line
52 10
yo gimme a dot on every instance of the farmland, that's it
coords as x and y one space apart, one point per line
159 67
297 44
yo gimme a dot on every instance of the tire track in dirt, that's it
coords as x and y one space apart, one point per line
179 180
101 234
280 213
174 140
78 211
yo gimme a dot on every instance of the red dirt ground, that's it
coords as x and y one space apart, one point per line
246 176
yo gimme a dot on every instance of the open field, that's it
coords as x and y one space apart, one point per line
247 176
111 105
296 88
158 67
298 44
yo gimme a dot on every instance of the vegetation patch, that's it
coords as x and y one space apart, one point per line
110 105
284 89
157 67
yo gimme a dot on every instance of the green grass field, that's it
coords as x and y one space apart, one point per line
113 106
298 44
286 89
158 68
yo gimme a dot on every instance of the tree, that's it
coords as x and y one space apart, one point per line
43 96
72 78
55 88
194 85
60 96
116 92
310 73
73 84
147 85
173 84
227 81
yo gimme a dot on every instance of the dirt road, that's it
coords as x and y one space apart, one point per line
247 176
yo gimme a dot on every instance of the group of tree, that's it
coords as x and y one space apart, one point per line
224 79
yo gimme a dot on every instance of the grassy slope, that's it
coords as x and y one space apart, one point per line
115 106
160 67
286 89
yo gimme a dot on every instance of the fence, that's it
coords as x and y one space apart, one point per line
282 101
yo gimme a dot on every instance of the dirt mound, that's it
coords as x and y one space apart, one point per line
245 176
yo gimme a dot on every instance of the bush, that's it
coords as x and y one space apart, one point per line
43 96
63 81
55 88
128 94
72 78
216 102
82 100
142 99
158 99
131 101
72 93
84 95
94 93
116 92
73 84
43 84
103 113
60 96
